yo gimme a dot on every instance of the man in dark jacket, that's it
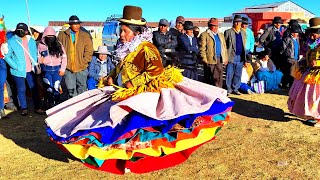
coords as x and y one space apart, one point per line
189 50
290 51
79 49
178 29
236 43
165 42
272 39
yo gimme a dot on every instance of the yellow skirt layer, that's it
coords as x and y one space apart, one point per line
83 152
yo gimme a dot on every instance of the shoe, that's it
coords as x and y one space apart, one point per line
237 93
40 111
250 92
228 93
312 121
2 113
24 112
11 108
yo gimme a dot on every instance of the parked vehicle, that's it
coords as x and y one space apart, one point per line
111 32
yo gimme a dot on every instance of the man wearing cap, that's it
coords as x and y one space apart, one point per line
271 39
213 52
100 66
79 49
22 57
250 37
189 50
178 29
290 50
165 42
236 43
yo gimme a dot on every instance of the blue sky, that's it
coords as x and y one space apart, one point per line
42 11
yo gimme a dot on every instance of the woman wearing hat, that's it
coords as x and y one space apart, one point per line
304 95
100 66
53 60
156 118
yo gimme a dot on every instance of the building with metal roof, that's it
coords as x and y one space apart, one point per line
260 16
297 11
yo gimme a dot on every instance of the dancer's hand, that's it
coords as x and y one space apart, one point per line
61 73
109 81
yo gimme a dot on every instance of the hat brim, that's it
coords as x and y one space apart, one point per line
77 22
188 27
314 27
236 20
214 24
107 53
133 21
278 22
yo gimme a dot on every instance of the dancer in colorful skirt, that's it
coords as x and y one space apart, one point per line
304 95
150 118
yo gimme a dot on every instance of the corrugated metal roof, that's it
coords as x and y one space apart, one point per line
269 5
261 7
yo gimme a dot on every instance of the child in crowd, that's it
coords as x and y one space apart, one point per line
266 71
53 59
100 66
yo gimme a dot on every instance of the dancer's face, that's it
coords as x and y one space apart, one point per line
126 34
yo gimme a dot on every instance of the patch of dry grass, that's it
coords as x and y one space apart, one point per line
262 141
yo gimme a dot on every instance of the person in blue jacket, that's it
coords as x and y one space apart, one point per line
22 57
100 66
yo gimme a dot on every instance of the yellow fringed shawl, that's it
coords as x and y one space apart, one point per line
313 76
143 68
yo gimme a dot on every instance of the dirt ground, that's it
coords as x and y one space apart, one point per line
261 141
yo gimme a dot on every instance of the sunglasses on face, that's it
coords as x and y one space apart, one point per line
180 23
163 25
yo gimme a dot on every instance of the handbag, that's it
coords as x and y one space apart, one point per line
258 87
36 66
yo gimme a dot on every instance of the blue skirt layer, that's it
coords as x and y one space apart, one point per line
137 120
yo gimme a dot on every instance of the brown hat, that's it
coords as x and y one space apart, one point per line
132 15
180 19
213 22
314 23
